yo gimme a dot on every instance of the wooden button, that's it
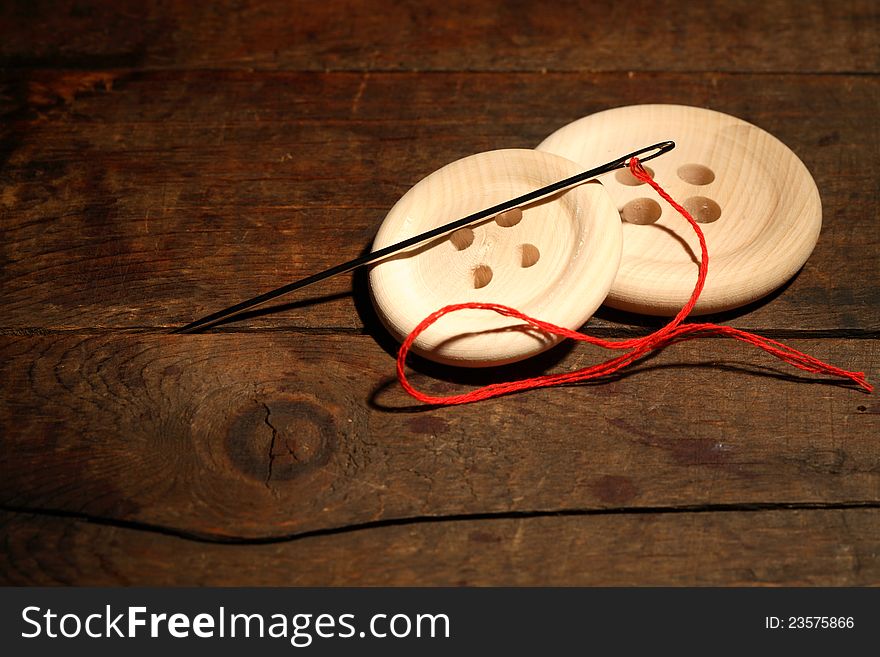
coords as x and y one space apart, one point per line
757 203
554 260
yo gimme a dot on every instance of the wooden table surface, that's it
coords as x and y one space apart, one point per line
159 161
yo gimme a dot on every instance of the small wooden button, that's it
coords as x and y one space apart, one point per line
554 260
757 204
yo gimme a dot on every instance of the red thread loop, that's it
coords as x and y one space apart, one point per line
673 333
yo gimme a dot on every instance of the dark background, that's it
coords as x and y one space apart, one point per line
161 160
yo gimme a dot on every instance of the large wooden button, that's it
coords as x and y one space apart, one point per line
757 203
554 260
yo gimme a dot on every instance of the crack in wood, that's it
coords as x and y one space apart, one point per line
271 444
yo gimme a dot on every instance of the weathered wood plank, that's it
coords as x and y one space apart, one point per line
275 434
146 200
792 548
777 35
137 193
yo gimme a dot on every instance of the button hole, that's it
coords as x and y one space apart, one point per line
641 211
462 238
529 255
509 218
482 276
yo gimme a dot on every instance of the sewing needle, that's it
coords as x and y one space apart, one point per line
380 254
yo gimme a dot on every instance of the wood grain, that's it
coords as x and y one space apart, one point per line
835 547
136 199
490 35
276 434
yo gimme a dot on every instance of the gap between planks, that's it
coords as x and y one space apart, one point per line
225 539
12 68
599 331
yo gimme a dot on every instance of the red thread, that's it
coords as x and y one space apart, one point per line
673 333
